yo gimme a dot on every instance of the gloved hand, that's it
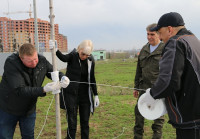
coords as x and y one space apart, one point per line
52 43
150 101
96 101
64 82
53 86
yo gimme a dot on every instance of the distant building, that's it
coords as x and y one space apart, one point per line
99 54
17 32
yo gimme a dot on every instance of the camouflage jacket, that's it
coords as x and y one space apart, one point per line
148 66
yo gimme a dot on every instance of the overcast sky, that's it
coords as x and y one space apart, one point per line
110 24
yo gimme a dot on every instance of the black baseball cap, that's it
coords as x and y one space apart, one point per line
169 19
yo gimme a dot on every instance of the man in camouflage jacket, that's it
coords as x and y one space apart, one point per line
146 74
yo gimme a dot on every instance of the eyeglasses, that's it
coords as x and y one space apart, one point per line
83 54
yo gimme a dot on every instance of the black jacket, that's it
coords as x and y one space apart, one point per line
74 74
179 80
21 86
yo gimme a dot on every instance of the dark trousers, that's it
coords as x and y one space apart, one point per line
139 126
188 133
8 124
84 113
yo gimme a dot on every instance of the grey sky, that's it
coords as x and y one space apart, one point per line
110 24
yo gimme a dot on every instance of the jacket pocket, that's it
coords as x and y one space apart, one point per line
142 60
156 59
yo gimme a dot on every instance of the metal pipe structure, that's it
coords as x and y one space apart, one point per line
52 37
36 25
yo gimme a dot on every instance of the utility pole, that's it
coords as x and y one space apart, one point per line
36 25
52 37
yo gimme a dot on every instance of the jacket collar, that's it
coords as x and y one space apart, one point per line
184 31
158 50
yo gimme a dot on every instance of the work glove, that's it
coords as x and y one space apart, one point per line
96 101
64 82
150 101
52 87
52 43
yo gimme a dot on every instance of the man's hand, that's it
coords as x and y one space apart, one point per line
53 86
148 99
135 93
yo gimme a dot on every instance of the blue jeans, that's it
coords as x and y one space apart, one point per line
8 124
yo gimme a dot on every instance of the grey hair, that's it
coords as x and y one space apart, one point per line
151 26
86 45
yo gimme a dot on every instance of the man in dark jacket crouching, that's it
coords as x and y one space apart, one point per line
21 85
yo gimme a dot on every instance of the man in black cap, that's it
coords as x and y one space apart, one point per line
179 77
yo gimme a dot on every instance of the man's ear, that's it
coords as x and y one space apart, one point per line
171 30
